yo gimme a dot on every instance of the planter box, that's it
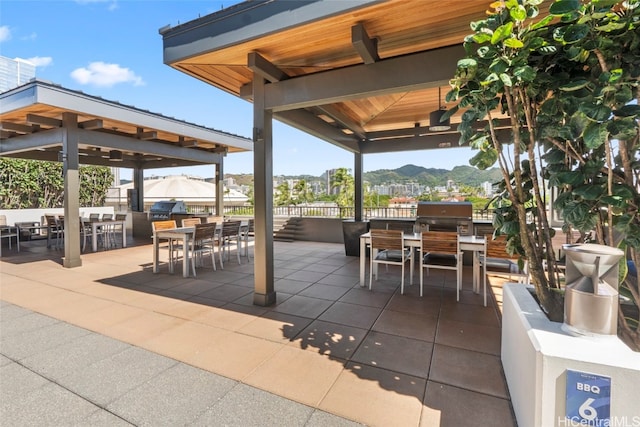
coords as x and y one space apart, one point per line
536 354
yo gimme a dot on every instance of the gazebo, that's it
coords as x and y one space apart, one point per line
43 121
364 75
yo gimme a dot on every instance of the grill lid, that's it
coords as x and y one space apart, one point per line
169 206
445 210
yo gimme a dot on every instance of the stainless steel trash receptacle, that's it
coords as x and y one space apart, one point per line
591 292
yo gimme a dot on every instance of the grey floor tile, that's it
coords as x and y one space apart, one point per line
77 354
410 325
102 418
108 379
17 320
331 339
468 369
10 311
328 292
248 406
49 405
17 382
290 286
5 360
324 419
299 305
35 341
339 280
351 314
452 406
395 353
174 398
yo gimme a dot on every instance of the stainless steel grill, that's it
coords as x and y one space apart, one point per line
445 216
164 209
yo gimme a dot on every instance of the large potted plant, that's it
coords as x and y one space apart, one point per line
550 93
553 98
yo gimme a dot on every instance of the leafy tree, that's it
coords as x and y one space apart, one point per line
282 195
343 181
302 193
568 84
28 184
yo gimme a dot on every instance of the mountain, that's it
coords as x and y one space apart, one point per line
461 175
465 175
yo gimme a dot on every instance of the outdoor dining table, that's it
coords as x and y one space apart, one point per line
8 232
107 223
183 234
413 240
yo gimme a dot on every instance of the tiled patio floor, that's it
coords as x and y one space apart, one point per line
374 357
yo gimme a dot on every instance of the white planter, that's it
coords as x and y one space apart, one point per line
536 354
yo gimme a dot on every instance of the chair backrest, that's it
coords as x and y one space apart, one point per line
163 225
440 242
387 239
214 219
107 217
94 216
231 228
251 227
51 220
121 217
497 248
190 222
204 232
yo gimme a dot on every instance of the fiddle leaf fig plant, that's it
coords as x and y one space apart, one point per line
549 91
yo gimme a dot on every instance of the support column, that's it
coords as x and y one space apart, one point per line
138 185
358 190
220 187
264 291
70 167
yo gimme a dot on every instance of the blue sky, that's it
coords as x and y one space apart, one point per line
112 49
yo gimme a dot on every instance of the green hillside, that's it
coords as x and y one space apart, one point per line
461 175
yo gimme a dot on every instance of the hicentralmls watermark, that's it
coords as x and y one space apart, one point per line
633 421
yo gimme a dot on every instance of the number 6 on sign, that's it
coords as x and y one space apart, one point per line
588 397
587 411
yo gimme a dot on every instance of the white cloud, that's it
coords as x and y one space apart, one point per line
5 33
113 4
105 75
31 36
40 61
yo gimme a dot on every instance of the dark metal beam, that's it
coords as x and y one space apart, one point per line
366 47
262 67
117 142
424 142
18 127
43 120
342 120
411 144
365 80
32 141
307 122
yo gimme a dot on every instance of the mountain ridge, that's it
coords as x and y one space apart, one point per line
461 175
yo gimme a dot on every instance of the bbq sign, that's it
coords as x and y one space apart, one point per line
588 398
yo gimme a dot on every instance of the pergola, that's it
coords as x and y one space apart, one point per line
363 75
44 121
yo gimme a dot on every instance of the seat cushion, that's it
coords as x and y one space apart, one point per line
392 255
439 259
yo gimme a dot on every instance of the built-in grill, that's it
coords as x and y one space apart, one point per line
445 216
164 209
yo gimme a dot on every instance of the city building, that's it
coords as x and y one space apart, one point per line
15 72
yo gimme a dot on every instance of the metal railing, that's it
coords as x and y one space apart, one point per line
338 212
